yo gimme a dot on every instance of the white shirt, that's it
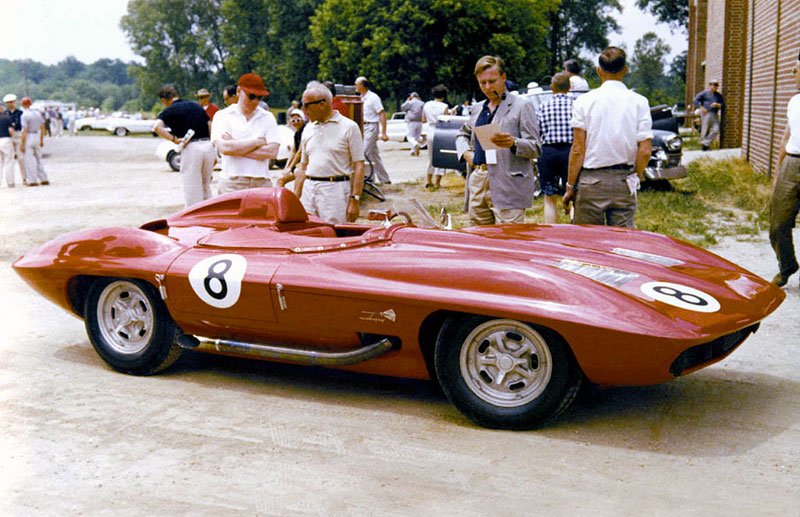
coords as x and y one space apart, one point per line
330 148
577 82
372 107
615 120
432 110
793 113
231 120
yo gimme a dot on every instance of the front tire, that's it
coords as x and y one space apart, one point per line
503 373
174 161
130 327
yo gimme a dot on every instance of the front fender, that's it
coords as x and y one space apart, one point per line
106 252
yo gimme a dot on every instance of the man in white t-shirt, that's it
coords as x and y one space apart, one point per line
786 192
374 127
612 142
330 175
430 113
246 136
576 81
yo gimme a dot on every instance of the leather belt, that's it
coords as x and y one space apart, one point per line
481 167
328 178
615 167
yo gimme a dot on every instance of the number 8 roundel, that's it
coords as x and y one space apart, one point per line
217 280
681 296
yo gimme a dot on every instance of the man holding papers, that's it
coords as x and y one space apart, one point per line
498 143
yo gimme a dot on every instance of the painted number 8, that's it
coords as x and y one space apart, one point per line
215 273
689 298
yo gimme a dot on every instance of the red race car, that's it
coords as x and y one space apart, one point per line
508 319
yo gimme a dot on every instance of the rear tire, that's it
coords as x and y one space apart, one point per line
129 326
503 373
120 131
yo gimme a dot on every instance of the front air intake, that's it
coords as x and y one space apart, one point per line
708 352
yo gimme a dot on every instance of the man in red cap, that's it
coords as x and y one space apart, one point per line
32 143
246 136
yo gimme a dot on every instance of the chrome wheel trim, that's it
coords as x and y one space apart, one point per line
506 363
125 317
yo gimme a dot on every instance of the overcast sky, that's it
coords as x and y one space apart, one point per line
50 30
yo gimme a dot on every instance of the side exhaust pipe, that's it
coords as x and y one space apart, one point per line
305 356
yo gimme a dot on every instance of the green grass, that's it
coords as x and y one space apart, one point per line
718 198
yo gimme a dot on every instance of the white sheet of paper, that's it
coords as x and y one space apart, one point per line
485 134
633 183
491 156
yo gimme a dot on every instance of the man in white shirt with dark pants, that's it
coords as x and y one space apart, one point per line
612 137
374 127
786 191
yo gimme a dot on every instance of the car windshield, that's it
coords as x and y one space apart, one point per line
410 211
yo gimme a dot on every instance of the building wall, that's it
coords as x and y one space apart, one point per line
725 60
772 46
696 55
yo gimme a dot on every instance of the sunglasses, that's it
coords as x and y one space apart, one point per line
307 104
253 96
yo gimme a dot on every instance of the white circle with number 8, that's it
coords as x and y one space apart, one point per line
217 280
681 296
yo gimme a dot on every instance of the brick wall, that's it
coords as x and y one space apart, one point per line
696 55
772 45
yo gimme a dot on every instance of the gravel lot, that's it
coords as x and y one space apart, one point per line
216 435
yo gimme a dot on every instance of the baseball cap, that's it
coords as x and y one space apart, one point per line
252 83
203 92
9 98
713 81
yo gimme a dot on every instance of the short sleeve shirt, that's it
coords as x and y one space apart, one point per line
372 107
182 116
32 120
615 120
232 121
330 148
793 112
6 123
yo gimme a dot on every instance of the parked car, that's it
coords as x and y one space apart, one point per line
168 151
121 126
397 128
664 164
508 319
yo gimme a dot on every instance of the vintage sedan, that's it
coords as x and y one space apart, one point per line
509 320
397 127
169 152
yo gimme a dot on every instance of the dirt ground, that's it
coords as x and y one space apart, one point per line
218 436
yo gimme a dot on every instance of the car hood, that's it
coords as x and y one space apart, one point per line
596 276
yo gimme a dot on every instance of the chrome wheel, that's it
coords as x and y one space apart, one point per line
506 363
125 317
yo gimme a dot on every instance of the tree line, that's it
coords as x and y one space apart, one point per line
400 45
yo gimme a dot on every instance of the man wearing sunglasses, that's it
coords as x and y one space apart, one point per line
331 172
246 136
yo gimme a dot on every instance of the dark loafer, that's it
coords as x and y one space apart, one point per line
781 280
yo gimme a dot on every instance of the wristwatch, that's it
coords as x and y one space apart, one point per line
355 197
